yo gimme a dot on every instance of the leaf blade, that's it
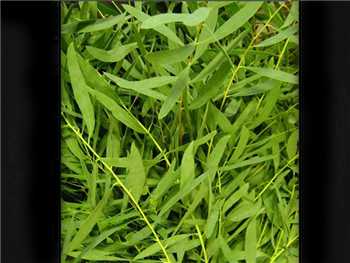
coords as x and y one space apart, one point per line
80 89
136 177
114 55
176 92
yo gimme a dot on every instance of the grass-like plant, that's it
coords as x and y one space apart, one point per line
179 131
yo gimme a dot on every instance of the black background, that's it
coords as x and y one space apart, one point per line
30 132
325 132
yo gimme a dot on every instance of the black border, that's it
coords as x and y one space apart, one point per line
30 147
324 131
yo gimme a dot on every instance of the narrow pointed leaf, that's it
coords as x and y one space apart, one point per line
237 20
218 152
80 89
275 74
118 112
197 17
250 241
145 87
207 31
164 30
279 37
212 86
114 55
176 92
292 144
153 249
88 224
102 24
170 56
269 103
150 83
187 167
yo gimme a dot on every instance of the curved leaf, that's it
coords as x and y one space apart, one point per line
118 112
164 30
144 86
114 55
194 19
102 24
170 56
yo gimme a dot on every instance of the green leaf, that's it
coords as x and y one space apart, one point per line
80 90
94 79
165 183
244 117
150 83
162 29
212 86
228 253
176 92
118 112
75 26
242 143
135 238
219 118
219 58
213 219
90 251
292 144
275 74
113 140
259 88
207 31
276 152
145 86
251 161
97 255
88 224
271 206
114 55
136 176
293 14
218 152
102 24
74 147
244 210
269 103
279 37
153 249
233 107
194 19
237 20
218 4
235 197
251 242
170 56
187 167
182 193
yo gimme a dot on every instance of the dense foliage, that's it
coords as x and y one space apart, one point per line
179 131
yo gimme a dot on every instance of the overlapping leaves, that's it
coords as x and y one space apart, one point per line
179 132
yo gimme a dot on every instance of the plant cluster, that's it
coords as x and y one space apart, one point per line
179 131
